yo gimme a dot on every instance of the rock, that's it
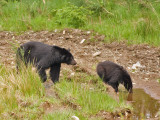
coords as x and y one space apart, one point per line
75 118
135 66
72 74
82 41
88 32
55 30
97 53
64 32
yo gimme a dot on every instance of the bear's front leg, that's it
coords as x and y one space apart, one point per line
54 72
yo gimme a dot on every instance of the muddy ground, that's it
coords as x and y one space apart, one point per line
88 49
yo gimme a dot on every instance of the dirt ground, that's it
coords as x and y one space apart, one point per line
88 54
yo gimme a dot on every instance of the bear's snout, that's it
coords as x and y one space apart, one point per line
73 62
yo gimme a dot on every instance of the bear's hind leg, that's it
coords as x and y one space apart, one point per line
114 85
42 74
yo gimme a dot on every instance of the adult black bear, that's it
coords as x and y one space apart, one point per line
44 56
114 74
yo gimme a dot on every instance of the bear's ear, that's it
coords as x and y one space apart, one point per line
66 49
56 47
69 49
63 57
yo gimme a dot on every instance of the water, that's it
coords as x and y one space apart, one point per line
144 106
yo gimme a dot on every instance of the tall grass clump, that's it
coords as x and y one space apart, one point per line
18 87
30 83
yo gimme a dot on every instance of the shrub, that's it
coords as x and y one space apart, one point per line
72 15
3 2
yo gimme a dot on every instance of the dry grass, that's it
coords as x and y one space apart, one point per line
19 88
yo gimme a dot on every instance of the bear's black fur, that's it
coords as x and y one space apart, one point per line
44 56
114 74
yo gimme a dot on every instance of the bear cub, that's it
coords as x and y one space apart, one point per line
44 56
114 74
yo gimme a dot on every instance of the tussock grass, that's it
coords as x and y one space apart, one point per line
120 20
19 90
24 81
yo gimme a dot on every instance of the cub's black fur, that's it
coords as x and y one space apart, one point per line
44 56
114 74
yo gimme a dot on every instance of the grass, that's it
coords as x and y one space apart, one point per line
23 96
119 20
86 97
64 115
18 91
88 94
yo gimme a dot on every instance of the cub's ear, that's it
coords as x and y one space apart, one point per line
56 47
66 49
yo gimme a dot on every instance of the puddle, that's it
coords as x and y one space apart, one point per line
144 106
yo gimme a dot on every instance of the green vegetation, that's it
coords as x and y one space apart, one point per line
60 115
18 93
23 96
132 21
85 94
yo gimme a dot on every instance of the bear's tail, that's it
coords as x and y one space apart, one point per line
19 57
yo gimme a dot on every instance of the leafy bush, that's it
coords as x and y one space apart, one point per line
72 15
96 7
3 2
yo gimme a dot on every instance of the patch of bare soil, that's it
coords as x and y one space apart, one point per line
88 54
118 115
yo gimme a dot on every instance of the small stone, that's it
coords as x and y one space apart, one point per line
137 65
75 118
72 74
88 32
55 30
64 32
96 54
82 41
146 79
71 36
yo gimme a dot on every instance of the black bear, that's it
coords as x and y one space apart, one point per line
44 56
114 74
